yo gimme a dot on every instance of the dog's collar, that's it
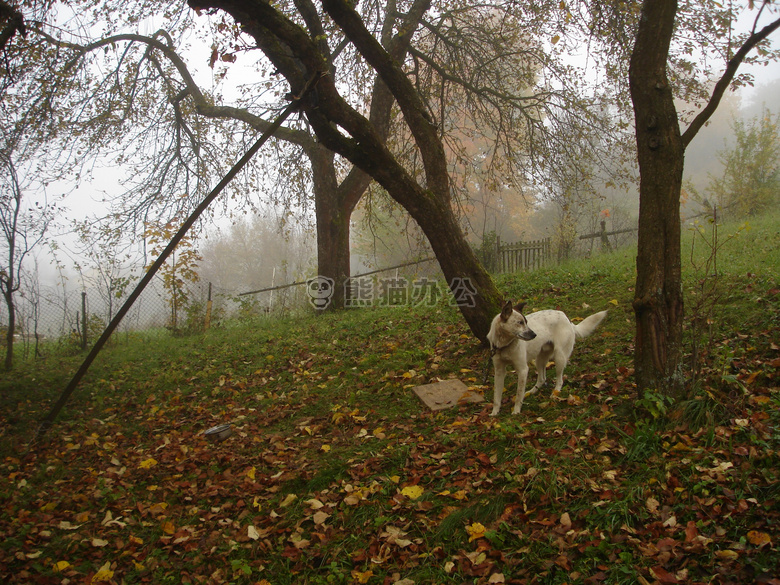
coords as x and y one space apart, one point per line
494 349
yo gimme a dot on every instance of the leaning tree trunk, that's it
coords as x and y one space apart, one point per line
658 302
346 131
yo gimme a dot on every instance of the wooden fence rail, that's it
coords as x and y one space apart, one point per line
522 255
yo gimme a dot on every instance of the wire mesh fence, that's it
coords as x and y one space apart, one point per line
54 318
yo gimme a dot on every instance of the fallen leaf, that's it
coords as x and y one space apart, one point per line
475 531
288 500
476 557
252 532
148 463
663 575
727 555
60 566
652 505
99 542
104 573
759 539
691 531
362 577
412 491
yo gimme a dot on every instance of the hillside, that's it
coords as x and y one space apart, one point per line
336 473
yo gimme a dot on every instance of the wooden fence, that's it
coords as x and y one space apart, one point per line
522 255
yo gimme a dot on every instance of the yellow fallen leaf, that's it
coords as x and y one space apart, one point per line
362 577
614 302
412 491
60 566
168 527
757 538
250 473
147 463
288 500
325 448
727 555
475 531
104 573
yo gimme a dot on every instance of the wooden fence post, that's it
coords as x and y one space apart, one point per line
207 321
84 320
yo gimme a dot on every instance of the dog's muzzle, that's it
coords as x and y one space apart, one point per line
526 335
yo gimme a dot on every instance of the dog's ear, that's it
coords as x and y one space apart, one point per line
520 306
506 311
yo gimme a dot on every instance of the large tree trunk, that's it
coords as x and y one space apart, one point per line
658 302
334 205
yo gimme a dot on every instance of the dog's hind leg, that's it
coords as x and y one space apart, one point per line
522 378
541 367
499 374
561 359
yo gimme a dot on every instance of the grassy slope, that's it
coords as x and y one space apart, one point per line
337 474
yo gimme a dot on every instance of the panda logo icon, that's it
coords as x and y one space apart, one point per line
320 290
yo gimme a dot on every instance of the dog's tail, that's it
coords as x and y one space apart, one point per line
589 324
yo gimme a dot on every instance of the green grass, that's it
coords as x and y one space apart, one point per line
336 473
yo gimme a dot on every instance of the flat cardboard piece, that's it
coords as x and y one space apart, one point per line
446 394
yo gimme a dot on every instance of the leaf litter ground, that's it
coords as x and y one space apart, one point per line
336 473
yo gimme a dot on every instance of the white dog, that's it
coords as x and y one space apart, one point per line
517 340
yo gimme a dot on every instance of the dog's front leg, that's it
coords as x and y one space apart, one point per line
499 374
522 377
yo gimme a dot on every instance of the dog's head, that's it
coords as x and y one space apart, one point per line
514 323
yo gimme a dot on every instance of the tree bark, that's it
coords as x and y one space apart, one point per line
658 301
334 205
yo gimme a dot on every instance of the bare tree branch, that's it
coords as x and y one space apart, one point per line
728 75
